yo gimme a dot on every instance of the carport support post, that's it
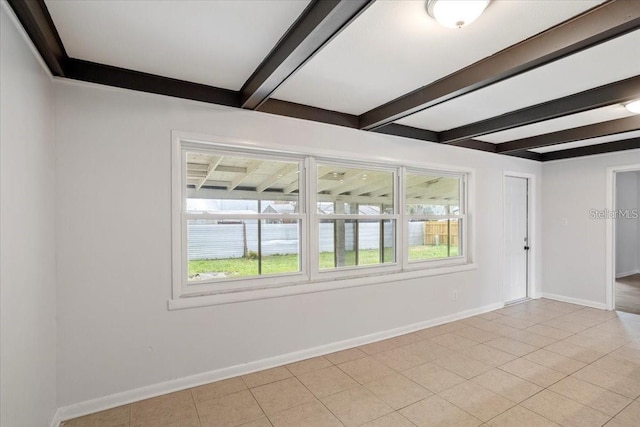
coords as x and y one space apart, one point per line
353 208
448 231
339 235
259 240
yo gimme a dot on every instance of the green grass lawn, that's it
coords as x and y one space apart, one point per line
242 267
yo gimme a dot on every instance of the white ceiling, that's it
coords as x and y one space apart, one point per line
587 142
394 47
606 63
218 43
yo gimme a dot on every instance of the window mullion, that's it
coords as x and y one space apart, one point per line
402 241
313 248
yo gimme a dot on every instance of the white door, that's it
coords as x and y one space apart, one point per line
516 235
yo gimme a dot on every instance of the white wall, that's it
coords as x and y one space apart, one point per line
627 228
574 245
114 255
27 258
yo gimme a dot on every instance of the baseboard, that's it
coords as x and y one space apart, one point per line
628 273
123 398
578 301
57 418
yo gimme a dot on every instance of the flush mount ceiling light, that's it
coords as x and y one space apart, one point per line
634 106
456 13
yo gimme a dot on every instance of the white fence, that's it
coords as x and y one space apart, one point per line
219 241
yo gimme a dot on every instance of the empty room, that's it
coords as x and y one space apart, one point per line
270 213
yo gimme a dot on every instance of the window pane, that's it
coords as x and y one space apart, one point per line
389 241
241 185
343 190
432 195
372 236
434 239
219 249
280 247
336 244
345 243
222 249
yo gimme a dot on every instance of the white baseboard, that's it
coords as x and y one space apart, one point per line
628 273
123 398
571 300
57 418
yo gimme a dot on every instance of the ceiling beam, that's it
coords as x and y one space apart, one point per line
364 186
318 24
240 179
280 174
524 154
408 132
349 176
609 147
305 112
36 20
385 191
438 189
595 130
598 25
191 181
602 96
291 187
128 79
212 167
475 145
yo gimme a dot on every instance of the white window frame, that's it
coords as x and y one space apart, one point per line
462 257
182 286
341 272
310 278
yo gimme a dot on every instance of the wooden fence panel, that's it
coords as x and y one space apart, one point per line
437 233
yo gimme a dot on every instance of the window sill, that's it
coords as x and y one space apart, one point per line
311 287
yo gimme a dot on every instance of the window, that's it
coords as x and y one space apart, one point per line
355 216
242 218
249 219
435 215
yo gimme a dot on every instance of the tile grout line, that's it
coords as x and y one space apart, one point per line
259 405
316 397
193 399
304 385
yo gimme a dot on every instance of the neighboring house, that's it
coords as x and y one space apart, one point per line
280 208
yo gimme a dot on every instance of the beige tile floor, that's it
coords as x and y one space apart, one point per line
539 363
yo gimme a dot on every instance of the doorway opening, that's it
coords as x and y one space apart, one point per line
626 224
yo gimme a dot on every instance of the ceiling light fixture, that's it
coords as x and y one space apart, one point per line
634 106
456 13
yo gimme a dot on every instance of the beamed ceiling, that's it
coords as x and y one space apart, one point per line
543 80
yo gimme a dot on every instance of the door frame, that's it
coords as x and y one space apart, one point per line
532 210
611 232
